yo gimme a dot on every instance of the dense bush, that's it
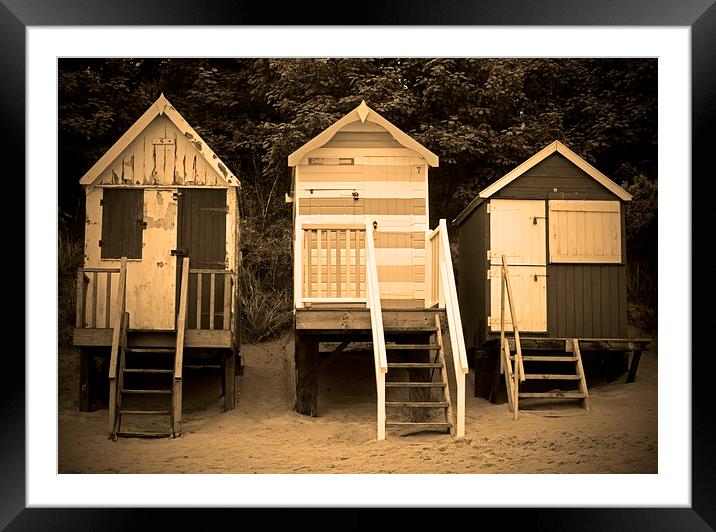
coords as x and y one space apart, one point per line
266 278
642 253
69 258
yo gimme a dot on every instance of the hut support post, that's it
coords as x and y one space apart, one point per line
306 357
633 365
229 381
87 381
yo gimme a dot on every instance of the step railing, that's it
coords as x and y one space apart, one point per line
202 311
329 264
376 322
441 292
94 297
179 351
513 374
119 344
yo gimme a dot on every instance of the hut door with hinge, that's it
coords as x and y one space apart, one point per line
518 231
151 281
201 236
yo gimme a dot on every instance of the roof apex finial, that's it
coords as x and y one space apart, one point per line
363 111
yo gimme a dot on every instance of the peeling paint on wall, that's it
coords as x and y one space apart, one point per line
166 221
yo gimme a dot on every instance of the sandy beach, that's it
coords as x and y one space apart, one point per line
263 435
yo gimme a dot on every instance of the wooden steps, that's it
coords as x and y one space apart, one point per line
421 347
573 372
146 367
138 384
425 395
418 404
146 370
146 412
143 434
554 395
551 376
416 426
407 384
541 358
153 350
424 365
146 392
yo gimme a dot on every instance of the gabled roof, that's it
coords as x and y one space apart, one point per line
159 108
554 147
363 113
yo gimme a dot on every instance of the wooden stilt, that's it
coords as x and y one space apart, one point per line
229 381
633 366
306 357
86 381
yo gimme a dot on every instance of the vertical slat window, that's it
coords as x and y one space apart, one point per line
122 223
585 231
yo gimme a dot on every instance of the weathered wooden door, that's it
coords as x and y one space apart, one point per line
518 231
151 281
202 237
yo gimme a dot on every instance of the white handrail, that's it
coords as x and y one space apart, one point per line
376 322
451 296
448 300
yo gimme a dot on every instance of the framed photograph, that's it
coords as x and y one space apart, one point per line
227 226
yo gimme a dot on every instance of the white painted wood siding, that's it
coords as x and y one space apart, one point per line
392 191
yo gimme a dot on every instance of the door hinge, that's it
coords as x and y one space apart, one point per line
100 243
488 209
101 203
178 252
212 210
175 195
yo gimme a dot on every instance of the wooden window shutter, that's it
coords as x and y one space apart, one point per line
585 231
122 223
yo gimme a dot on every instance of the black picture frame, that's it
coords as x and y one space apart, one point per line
699 15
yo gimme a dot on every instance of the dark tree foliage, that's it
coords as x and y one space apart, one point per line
481 116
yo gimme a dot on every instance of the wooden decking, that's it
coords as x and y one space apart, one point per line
195 338
341 321
635 346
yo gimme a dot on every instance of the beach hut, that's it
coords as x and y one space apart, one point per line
367 267
555 226
159 285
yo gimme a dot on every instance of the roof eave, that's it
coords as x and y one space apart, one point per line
474 204
160 107
363 113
